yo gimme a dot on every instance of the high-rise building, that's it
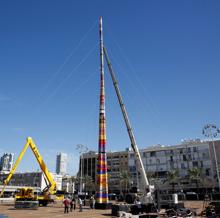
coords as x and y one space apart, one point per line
6 162
61 164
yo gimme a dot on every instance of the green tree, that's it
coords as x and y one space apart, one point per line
195 175
152 178
89 184
172 178
125 180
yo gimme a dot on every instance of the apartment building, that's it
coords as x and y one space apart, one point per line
68 184
158 161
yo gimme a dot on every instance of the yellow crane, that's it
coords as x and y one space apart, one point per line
27 194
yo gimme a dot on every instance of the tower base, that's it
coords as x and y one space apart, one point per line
103 206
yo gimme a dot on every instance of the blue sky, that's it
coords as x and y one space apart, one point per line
165 54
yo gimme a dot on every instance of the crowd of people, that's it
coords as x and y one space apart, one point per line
70 204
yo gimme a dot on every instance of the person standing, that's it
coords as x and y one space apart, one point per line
71 205
74 203
66 203
92 202
80 204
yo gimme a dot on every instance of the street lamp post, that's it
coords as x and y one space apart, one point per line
82 149
211 131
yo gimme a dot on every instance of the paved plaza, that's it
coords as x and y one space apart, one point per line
57 210
54 210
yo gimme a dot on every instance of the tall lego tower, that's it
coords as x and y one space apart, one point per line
102 180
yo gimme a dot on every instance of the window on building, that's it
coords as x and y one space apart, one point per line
195 149
153 153
172 165
184 158
162 174
171 158
158 161
131 155
205 155
207 172
189 157
201 163
195 164
182 166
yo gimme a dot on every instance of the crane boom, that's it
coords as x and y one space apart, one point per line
30 142
6 181
52 183
127 122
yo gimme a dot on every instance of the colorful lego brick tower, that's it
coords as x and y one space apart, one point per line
102 177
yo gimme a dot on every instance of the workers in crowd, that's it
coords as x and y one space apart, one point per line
70 203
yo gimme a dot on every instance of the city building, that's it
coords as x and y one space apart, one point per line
68 184
6 162
30 179
116 162
61 163
159 161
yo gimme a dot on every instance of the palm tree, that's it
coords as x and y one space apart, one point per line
195 175
111 182
151 176
172 178
89 184
76 181
125 180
